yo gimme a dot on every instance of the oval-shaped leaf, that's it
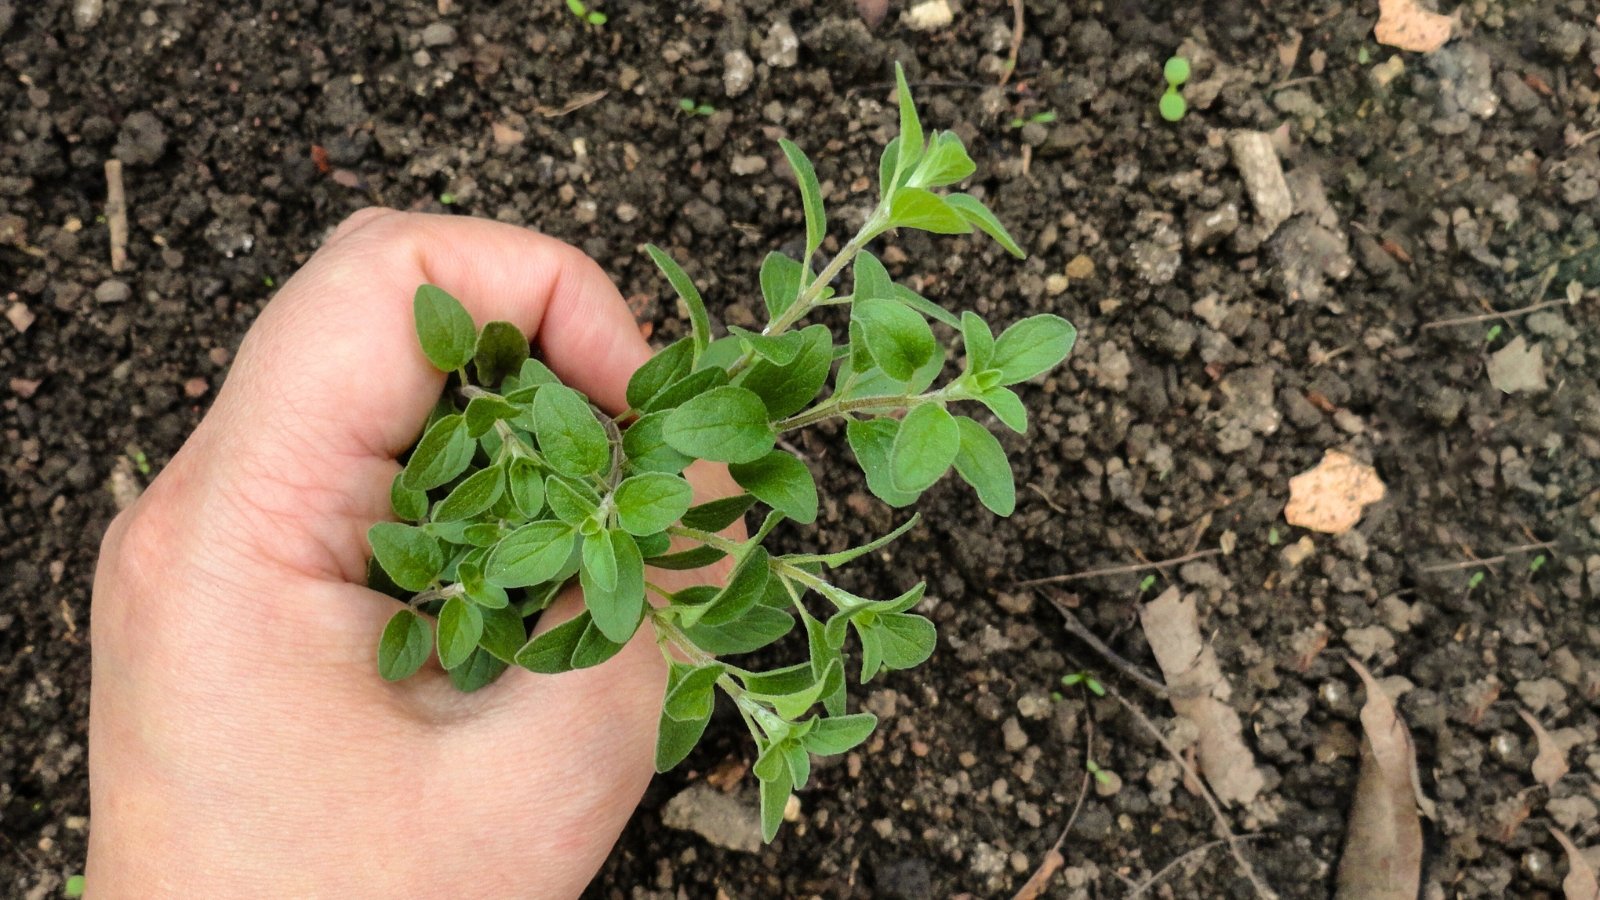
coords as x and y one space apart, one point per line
645 445
782 482
790 388
571 438
926 211
460 626
404 646
444 328
526 486
600 560
649 502
408 554
872 441
982 463
444 452
473 495
532 554
898 338
1033 346
500 351
725 424
924 448
659 372
810 195
781 281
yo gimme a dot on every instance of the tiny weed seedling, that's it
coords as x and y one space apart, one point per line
1536 564
1148 582
529 486
1474 581
73 888
582 11
1493 332
1038 118
1100 775
1085 679
689 107
1173 106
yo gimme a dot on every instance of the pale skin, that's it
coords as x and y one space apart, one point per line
241 742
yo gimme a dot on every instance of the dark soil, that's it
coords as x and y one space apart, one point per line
1215 361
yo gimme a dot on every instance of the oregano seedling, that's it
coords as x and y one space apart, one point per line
519 484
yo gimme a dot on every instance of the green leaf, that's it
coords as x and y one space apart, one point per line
501 350
921 209
409 556
790 388
786 680
725 424
525 486
782 482
906 640
659 372
898 338
910 125
982 463
1007 407
650 502
946 162
924 448
444 452
810 195
780 349
503 634
675 739
645 445
404 646
533 554
571 438
594 648
460 626
840 734
1172 105
691 690
744 590
600 561
699 320
715 515
616 610
925 306
979 341
534 373
1176 70
872 441
888 160
550 653
407 503
476 493
759 627
791 705
1032 346
694 558
774 800
480 670
444 328
484 410
571 503
872 281
972 210
687 388
781 281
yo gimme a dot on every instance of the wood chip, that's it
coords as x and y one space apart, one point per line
1580 883
1199 692
1331 496
1383 845
1551 763
1406 25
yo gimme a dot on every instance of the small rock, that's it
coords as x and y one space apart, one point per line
781 48
738 71
723 820
1566 667
1156 262
1517 367
930 15
1258 165
195 388
748 165
1251 396
1368 642
1541 693
1570 812
1466 80
1080 267
1108 783
439 34
1015 738
142 139
904 879
85 13
113 290
1209 227
20 316
25 387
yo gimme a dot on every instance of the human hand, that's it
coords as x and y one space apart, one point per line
241 742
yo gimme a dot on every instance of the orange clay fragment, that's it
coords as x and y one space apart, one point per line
1406 25
1330 497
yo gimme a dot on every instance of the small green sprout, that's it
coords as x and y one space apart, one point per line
1085 679
1492 333
73 888
1038 118
591 16
447 199
1273 537
691 108
269 281
1148 583
140 461
1173 105
1100 775
1474 581
1363 57
1537 564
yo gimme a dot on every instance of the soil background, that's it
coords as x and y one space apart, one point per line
1218 356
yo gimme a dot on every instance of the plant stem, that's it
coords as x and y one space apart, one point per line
706 537
669 633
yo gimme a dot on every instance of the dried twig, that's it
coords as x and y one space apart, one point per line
1490 561
1139 889
1205 791
1548 276
1121 570
571 106
116 215
1080 631
1016 41
1053 860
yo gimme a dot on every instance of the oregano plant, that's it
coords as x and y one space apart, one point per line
520 485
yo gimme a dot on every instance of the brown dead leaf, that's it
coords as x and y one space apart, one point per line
1406 25
1383 847
1551 763
1580 883
1200 693
1330 497
1053 861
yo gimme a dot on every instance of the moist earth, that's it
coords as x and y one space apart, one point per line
1232 329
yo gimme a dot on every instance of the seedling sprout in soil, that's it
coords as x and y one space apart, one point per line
504 501
590 16
689 107
1173 106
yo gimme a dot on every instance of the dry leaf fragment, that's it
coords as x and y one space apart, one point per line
1383 847
1550 764
1580 883
1330 497
1199 693
1405 24
1517 367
